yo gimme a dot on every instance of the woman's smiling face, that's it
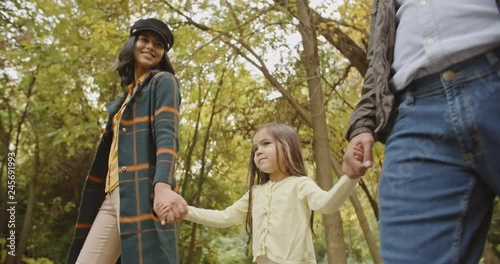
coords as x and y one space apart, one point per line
148 51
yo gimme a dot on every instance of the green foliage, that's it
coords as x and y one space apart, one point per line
494 234
53 62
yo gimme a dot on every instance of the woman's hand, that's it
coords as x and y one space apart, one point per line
167 204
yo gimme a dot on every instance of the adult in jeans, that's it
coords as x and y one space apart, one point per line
431 94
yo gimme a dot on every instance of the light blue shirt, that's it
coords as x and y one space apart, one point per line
432 35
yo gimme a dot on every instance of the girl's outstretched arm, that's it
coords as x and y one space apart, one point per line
327 202
234 214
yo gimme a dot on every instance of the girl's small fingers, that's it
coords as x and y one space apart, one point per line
164 212
170 217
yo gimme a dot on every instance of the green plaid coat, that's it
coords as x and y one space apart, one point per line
147 152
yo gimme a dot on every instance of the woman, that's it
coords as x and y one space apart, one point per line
133 169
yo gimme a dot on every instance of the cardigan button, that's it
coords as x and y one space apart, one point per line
124 168
124 130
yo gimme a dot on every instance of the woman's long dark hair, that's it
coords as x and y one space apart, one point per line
126 60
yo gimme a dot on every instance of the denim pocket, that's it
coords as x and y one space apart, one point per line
404 101
401 110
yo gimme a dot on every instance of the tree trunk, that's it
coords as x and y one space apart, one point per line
191 146
360 213
367 232
343 43
19 125
27 224
321 143
335 246
203 171
192 244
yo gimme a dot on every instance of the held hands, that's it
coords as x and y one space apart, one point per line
168 205
358 155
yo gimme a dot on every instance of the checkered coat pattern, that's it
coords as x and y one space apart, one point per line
147 152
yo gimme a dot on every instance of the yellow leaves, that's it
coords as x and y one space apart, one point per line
323 26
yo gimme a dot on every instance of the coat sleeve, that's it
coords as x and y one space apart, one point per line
232 215
363 118
326 202
167 100
366 117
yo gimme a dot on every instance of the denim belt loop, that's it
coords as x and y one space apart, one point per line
410 98
493 57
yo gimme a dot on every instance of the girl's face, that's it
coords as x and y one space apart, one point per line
265 157
148 52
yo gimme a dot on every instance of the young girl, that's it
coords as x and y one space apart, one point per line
279 203
132 173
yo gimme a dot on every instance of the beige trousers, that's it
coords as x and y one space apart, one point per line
103 242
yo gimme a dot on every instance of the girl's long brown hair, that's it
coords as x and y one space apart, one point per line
289 146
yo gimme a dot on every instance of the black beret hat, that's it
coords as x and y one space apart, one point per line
157 26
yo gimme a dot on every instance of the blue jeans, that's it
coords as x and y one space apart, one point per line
442 165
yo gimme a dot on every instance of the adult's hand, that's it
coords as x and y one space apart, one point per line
354 166
167 204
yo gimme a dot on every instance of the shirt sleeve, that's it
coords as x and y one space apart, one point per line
326 202
232 215
167 102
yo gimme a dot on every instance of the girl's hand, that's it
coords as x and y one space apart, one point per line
167 204
358 152
162 211
358 155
